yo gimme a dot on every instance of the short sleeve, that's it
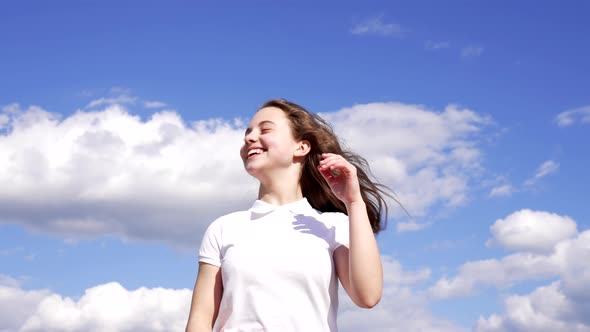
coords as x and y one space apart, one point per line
210 250
340 224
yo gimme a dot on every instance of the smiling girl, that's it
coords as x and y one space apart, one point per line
276 266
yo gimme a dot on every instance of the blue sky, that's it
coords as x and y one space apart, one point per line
119 125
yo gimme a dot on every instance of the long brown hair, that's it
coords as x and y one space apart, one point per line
312 128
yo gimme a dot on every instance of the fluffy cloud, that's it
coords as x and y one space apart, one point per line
563 305
400 308
426 157
110 172
8 281
108 307
547 309
111 307
570 117
548 242
501 273
17 305
534 231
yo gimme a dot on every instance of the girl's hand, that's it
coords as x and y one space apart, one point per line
341 177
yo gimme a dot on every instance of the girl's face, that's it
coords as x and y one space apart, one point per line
268 142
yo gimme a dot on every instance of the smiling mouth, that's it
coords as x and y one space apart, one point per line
254 152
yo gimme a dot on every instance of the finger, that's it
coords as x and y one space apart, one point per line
336 165
327 174
331 159
330 155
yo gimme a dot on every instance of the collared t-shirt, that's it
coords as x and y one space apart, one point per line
277 267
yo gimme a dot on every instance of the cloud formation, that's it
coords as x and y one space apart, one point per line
562 305
532 231
543 241
376 26
410 226
427 157
161 179
546 168
568 118
433 45
502 190
471 51
120 100
400 309
154 104
108 307
547 309
111 307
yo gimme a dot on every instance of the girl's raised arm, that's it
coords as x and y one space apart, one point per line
358 266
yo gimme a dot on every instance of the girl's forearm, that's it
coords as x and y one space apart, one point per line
365 269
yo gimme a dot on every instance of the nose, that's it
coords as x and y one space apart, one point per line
250 137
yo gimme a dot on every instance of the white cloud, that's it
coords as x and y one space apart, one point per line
108 172
154 104
471 51
108 307
500 273
111 173
502 190
9 281
17 305
376 26
547 309
567 260
400 308
432 45
111 307
410 226
534 231
11 108
4 119
548 167
120 100
570 117
426 157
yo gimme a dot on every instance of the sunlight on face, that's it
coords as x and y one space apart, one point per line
268 142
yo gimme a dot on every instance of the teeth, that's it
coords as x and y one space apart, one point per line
254 151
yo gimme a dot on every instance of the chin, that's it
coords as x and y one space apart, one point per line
253 171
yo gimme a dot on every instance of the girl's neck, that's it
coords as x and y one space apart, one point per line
280 192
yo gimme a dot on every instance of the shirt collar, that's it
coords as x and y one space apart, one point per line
301 206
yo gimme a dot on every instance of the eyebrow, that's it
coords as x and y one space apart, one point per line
261 123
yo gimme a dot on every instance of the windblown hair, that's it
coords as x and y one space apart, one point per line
312 128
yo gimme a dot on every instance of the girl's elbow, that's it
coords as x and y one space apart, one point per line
368 301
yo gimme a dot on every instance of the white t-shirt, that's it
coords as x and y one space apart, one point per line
277 267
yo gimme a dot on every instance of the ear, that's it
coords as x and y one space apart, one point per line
302 149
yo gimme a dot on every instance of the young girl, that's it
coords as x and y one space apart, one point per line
274 266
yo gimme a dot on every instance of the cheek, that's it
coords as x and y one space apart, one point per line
243 152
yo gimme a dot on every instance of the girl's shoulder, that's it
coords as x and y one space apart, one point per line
232 217
334 218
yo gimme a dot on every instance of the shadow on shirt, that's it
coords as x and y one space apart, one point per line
310 225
